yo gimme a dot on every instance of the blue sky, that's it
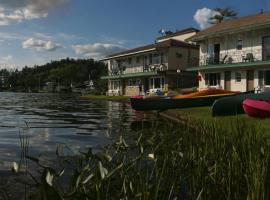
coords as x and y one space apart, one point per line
38 31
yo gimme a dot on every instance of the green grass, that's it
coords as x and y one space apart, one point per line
204 114
187 162
104 97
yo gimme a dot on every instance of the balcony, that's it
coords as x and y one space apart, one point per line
147 70
234 59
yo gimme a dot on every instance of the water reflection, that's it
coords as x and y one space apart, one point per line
50 120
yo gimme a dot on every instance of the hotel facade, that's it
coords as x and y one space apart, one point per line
159 66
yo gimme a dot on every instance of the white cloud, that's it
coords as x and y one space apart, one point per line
202 17
7 62
40 45
97 50
15 11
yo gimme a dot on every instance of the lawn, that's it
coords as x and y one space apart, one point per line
204 114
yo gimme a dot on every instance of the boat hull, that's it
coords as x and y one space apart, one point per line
167 103
256 108
233 105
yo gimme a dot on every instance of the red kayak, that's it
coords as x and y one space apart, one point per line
257 108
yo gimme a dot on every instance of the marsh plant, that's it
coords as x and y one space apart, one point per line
166 161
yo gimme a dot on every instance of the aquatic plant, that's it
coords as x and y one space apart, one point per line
167 160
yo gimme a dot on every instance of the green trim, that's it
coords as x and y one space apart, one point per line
225 66
140 74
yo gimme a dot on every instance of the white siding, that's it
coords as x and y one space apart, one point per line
252 43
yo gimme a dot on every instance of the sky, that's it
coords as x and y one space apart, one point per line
34 32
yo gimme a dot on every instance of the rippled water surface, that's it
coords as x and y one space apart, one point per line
49 120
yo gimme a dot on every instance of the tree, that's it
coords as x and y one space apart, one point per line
224 13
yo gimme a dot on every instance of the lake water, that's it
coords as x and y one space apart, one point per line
50 120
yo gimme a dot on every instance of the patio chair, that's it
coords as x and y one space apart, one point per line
209 60
224 59
248 58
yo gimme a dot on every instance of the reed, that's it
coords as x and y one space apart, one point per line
196 160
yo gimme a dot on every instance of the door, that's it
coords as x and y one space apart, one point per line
146 84
266 48
216 53
227 80
250 80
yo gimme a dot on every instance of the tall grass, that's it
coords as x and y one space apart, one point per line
169 161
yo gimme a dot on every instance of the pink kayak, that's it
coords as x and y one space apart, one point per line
257 108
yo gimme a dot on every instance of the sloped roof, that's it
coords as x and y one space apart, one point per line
243 23
180 32
163 44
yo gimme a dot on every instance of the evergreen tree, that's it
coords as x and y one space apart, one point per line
224 14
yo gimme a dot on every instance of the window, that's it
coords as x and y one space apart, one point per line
212 79
237 77
266 48
138 82
161 58
156 59
137 59
267 77
129 82
115 84
264 78
129 61
261 75
239 44
210 50
157 83
150 59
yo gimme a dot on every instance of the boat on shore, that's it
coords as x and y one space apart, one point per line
233 105
165 103
205 92
256 108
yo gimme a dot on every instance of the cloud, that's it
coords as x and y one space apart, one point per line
97 50
15 11
202 17
7 62
40 45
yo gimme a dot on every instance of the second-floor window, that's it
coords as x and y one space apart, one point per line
138 59
150 59
129 61
156 58
239 44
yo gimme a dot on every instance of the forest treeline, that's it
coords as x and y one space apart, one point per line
65 73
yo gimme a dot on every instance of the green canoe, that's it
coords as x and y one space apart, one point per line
233 105
161 104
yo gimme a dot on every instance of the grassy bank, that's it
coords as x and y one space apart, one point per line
104 97
168 161
203 114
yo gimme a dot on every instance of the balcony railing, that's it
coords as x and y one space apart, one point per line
234 58
146 68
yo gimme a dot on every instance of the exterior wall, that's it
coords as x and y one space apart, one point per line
239 86
138 63
235 86
112 91
202 84
141 63
182 37
132 90
252 43
182 81
182 58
